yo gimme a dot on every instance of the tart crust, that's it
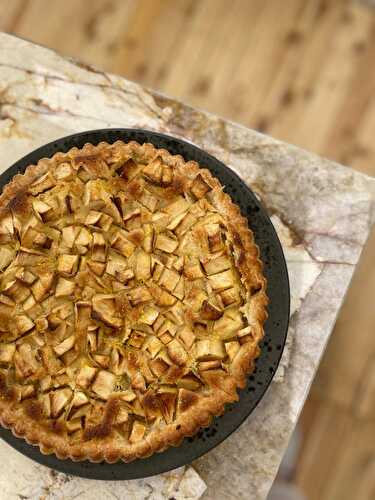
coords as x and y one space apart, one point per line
203 376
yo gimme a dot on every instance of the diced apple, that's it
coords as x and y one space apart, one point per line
214 237
177 353
187 337
232 349
179 206
154 346
221 280
142 266
6 256
104 384
64 287
122 244
169 279
210 311
149 315
69 234
104 307
42 184
99 249
64 346
210 349
6 352
153 171
79 399
137 432
199 187
63 171
84 237
217 265
166 242
139 295
85 376
59 401
23 324
67 263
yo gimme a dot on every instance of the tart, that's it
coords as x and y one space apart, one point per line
132 302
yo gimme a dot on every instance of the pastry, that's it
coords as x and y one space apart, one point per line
132 302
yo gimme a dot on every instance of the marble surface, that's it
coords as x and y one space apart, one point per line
322 212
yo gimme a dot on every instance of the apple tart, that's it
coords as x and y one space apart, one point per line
132 302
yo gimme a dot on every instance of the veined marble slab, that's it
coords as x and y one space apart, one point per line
322 211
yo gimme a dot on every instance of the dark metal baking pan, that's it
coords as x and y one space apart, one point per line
275 328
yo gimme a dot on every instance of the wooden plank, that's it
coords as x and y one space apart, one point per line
317 88
303 42
154 34
348 141
364 402
11 13
337 460
323 444
354 467
344 365
208 83
88 29
246 91
361 153
193 46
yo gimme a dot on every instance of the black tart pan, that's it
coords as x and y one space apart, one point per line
276 325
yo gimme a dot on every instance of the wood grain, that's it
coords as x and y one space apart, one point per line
300 70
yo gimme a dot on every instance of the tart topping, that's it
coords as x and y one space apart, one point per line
120 297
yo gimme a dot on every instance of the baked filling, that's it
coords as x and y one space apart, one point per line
132 301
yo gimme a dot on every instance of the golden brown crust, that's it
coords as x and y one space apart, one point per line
207 374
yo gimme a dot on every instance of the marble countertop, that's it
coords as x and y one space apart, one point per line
323 213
